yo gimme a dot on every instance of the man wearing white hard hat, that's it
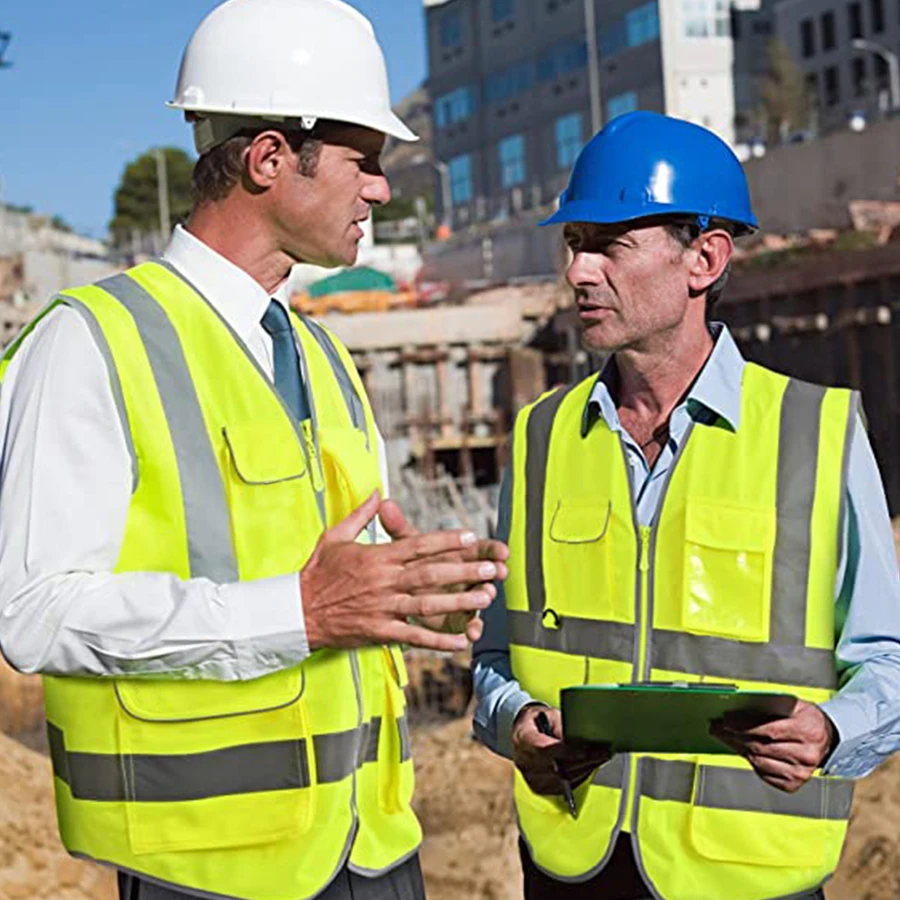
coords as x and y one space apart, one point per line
194 548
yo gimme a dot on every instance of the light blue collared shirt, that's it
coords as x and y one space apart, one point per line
866 710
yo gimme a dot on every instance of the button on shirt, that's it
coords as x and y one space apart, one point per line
66 479
866 710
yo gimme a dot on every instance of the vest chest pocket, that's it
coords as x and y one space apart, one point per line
727 585
209 765
578 558
268 485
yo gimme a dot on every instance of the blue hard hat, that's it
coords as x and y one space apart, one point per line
645 164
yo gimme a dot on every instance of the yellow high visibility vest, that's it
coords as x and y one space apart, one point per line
262 789
734 582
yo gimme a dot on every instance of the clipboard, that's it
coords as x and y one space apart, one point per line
662 717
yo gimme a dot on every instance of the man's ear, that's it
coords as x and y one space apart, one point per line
712 253
265 158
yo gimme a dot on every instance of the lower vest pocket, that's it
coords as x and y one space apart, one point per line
208 765
736 817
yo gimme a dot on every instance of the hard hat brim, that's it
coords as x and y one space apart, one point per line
590 211
389 123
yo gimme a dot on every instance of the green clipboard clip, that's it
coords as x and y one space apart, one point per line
662 716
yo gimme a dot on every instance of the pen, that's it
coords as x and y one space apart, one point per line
544 726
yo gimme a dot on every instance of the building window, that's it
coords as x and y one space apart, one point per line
502 86
706 18
569 56
828 36
876 8
808 38
512 161
461 179
457 106
854 20
501 10
858 74
451 30
569 139
621 104
832 86
812 89
642 24
882 74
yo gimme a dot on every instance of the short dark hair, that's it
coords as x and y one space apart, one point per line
220 169
685 233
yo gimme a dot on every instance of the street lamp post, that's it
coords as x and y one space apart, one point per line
892 61
590 24
444 171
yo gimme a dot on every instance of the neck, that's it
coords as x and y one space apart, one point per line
653 379
237 235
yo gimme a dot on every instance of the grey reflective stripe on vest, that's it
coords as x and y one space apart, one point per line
348 389
578 637
798 455
537 451
115 382
250 768
700 654
207 519
740 790
611 774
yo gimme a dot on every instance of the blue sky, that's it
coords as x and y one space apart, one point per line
90 78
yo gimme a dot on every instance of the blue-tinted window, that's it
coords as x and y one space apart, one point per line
503 86
451 30
569 139
569 56
501 10
642 24
457 106
637 27
621 104
512 161
461 179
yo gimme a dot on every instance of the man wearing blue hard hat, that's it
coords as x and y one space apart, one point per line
685 516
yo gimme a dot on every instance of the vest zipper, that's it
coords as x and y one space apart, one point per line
315 464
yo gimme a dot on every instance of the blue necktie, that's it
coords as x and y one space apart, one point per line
288 380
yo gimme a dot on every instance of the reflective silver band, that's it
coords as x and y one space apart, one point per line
115 382
206 514
578 637
719 787
611 774
700 654
540 424
798 455
249 768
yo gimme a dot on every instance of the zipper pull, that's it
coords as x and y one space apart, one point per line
315 465
646 532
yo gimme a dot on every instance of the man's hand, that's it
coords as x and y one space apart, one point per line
783 752
543 760
356 594
468 623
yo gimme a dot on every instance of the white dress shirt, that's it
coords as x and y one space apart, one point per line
65 489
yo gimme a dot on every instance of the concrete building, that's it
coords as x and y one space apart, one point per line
840 79
509 81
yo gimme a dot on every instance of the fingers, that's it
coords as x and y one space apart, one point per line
426 639
439 575
350 528
425 606
395 522
422 546
474 629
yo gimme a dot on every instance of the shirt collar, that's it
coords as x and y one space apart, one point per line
236 296
714 398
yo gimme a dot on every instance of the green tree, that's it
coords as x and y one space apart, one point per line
137 197
785 103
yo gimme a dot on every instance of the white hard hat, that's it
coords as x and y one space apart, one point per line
256 61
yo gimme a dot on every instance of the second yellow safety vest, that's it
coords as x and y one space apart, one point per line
265 789
734 582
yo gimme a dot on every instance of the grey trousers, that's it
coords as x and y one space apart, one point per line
403 883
